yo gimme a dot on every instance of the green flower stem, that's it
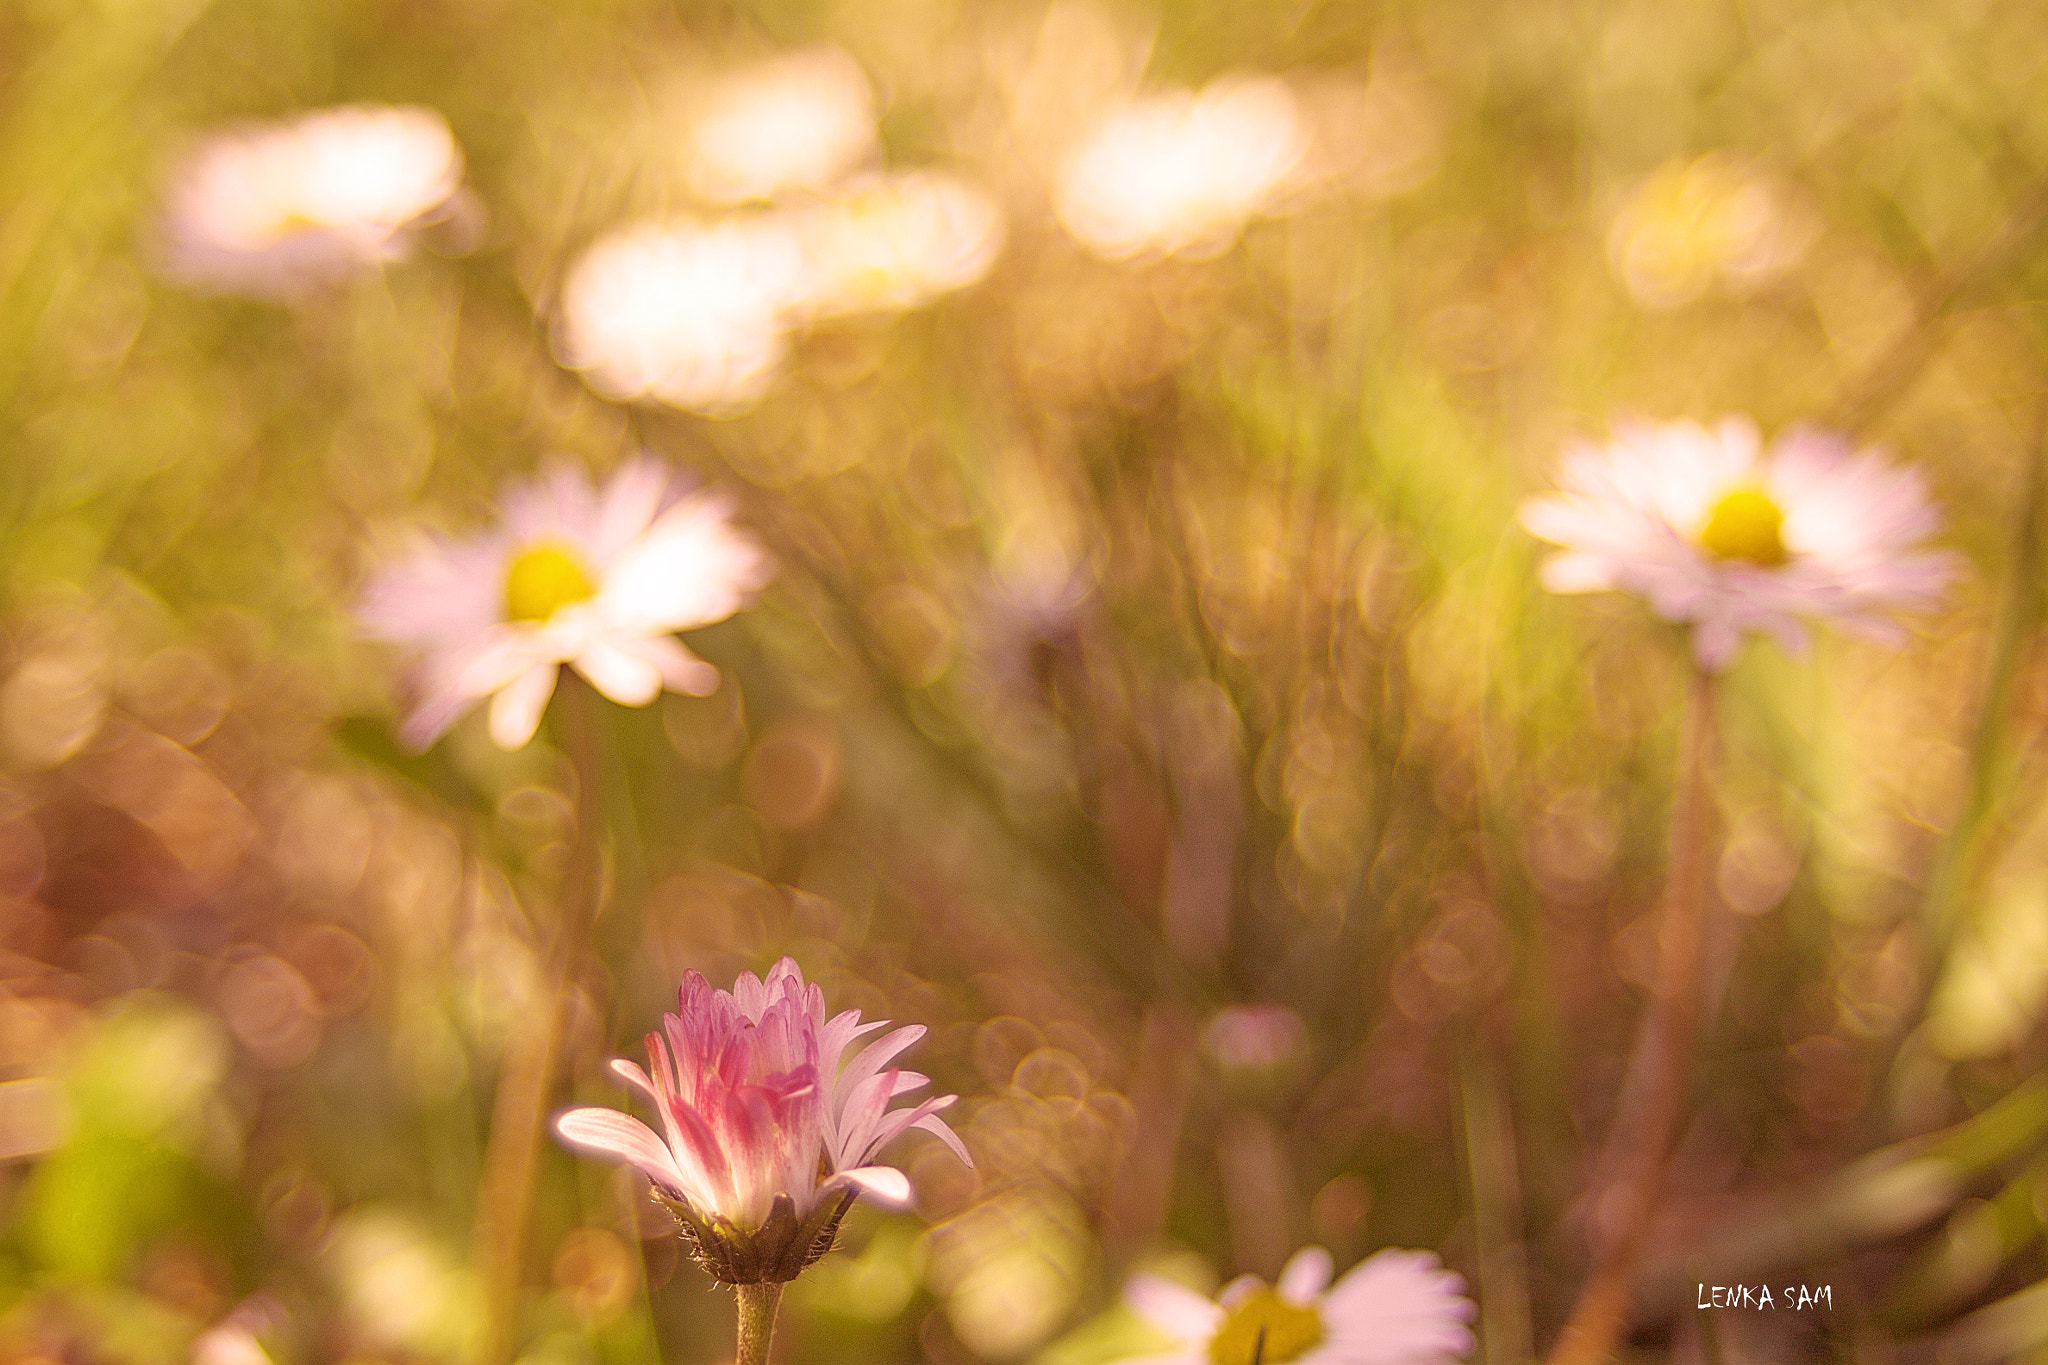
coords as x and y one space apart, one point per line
1602 1310
757 1304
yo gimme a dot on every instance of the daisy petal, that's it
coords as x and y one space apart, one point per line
516 710
681 671
608 1133
1307 1274
619 673
1398 1308
1173 1308
885 1184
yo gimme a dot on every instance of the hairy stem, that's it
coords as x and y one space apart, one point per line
1622 1213
757 1320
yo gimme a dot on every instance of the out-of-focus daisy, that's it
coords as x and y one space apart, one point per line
692 315
796 122
1181 173
762 1110
599 579
269 209
1692 223
895 242
1395 1308
1252 1037
1718 532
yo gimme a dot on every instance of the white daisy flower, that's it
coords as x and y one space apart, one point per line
1180 173
795 122
599 579
269 209
696 316
1716 531
1395 1308
888 243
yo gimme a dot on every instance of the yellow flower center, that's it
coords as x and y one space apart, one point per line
543 580
1267 1329
289 224
1746 524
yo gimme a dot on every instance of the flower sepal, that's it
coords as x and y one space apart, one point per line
777 1252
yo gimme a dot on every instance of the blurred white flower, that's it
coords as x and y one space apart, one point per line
692 315
760 1106
1395 1308
596 578
1715 531
898 241
796 122
1181 173
1691 223
270 209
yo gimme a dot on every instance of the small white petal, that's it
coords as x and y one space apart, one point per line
623 676
516 710
1240 1289
1307 1274
1173 1308
1571 573
681 671
885 1184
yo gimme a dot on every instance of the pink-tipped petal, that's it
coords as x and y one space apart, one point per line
1307 1274
873 1058
608 1133
1399 1308
938 1127
627 507
632 1075
1239 1289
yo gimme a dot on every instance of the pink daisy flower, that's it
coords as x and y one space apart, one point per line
759 1105
1717 531
270 209
1395 1308
599 579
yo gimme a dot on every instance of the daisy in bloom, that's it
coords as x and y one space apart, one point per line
768 1129
599 579
1181 172
272 208
1717 531
1395 1308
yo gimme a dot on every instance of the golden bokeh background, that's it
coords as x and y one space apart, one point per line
1155 697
